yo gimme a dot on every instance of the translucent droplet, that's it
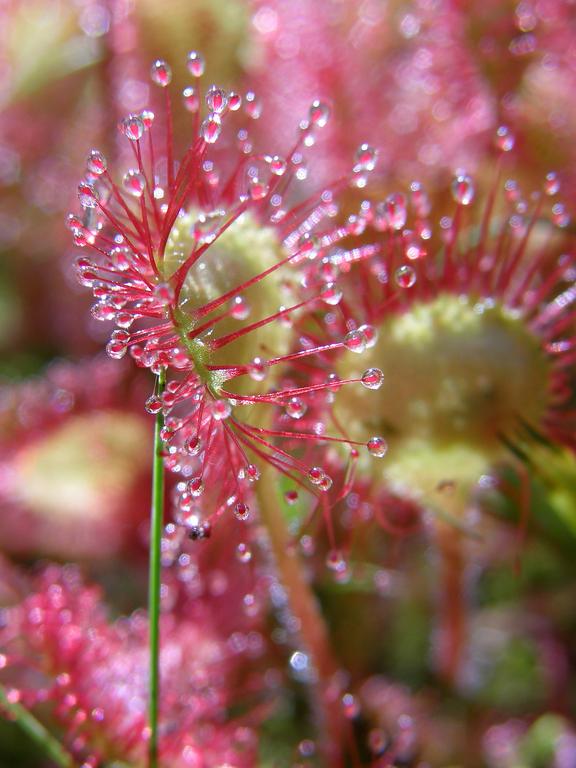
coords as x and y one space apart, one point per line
243 553
505 139
216 100
319 113
331 295
196 486
221 409
147 117
372 378
193 445
350 706
278 165
164 293
335 561
116 350
210 129
196 63
296 407
234 101
291 497
153 404
252 105
87 195
239 308
132 127
355 341
257 188
377 446
241 511
405 276
463 189
325 483
252 473
190 98
315 475
413 249
552 184
96 162
370 335
257 370
560 216
160 73
395 210
134 183
365 158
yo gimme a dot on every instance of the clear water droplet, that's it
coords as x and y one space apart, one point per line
196 486
216 100
278 165
366 157
221 409
96 162
370 335
210 129
463 189
252 105
193 445
147 117
234 101
190 99
377 446
243 552
161 73
257 370
315 475
331 295
505 139
319 113
372 378
551 184
134 183
153 404
296 407
405 276
164 293
241 511
196 63
395 210
335 561
355 341
291 497
239 308
87 195
132 127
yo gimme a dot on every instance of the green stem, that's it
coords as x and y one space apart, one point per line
36 731
304 606
156 525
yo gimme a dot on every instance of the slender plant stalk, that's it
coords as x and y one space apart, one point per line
36 731
304 606
156 525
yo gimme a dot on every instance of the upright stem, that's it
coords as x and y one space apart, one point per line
305 608
156 525
36 731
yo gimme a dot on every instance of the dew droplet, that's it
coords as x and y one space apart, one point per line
365 158
132 127
370 335
335 561
331 295
257 188
395 210
116 350
315 475
560 216
405 276
234 101
505 139
377 446
252 105
221 409
96 162
355 341
134 183
239 308
372 378
164 293
193 445
216 100
242 511
552 184
296 407
463 189
291 497
161 73
196 486
190 98
243 553
257 370
278 165
87 195
210 129
153 404
196 63
319 113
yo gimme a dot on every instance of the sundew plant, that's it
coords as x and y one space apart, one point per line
287 424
